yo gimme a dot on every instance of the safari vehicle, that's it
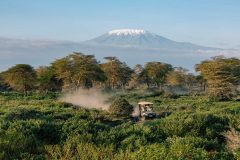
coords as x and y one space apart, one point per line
146 110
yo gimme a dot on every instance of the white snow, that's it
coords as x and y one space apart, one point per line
131 32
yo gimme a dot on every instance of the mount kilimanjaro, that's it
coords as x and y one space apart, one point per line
142 39
133 46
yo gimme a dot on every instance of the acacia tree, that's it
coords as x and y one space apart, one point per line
3 85
78 70
144 78
136 79
21 77
156 73
46 80
222 74
181 78
190 81
176 78
202 82
118 73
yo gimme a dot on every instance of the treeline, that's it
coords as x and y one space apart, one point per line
218 77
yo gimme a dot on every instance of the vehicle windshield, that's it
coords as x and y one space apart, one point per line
149 109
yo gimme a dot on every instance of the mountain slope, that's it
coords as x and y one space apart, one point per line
141 39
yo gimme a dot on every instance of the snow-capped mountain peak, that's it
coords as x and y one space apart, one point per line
138 38
131 32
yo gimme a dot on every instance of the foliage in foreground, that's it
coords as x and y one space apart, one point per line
40 127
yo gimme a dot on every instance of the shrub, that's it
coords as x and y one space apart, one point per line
169 94
32 127
121 107
23 114
19 137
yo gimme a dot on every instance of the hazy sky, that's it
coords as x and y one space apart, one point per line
205 22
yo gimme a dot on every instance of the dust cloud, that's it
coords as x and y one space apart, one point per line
87 98
136 111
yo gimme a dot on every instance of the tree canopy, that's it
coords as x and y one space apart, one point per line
46 80
118 73
222 74
219 76
180 77
21 77
78 70
3 84
156 73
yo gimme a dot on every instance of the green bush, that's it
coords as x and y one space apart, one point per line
23 114
121 107
169 94
43 128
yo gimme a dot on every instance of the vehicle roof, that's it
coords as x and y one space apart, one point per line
144 103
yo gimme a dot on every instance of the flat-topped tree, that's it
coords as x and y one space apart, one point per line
222 75
156 72
78 70
118 73
21 77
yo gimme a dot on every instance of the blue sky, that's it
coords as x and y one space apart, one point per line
205 22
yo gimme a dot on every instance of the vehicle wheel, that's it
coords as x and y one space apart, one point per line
135 119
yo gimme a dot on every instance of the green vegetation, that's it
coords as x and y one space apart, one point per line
222 75
46 80
118 73
199 114
21 77
78 70
38 126
218 77
121 107
156 73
